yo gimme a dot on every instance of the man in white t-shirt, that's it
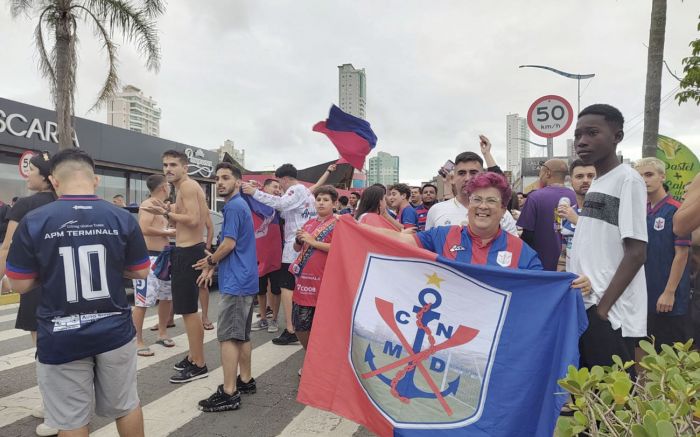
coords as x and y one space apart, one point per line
454 211
609 245
296 206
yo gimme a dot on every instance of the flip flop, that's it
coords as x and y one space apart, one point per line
208 326
155 327
165 342
145 352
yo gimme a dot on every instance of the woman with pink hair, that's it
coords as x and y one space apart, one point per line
482 241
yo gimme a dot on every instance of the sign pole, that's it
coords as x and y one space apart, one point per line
550 148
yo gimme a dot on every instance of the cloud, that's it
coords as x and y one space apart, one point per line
438 73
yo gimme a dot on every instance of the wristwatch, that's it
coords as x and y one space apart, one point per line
210 261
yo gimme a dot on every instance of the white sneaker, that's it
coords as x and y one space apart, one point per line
300 372
272 326
38 412
45 430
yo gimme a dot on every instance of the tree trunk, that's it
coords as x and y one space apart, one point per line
655 59
63 94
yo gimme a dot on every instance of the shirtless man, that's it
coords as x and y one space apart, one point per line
156 233
189 217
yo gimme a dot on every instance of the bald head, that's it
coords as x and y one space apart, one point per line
554 171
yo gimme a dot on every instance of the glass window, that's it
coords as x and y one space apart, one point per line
11 183
138 190
112 182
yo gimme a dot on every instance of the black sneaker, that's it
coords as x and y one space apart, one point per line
247 388
220 401
285 338
268 313
189 374
182 364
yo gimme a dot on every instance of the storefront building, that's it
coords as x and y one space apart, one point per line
124 158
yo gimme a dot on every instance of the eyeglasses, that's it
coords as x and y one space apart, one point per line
491 202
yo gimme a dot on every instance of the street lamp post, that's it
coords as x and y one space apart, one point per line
578 78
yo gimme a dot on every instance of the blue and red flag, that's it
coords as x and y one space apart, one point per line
426 346
268 236
352 136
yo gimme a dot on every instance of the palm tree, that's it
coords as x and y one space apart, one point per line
60 19
655 60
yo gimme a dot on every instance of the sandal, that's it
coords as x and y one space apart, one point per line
208 326
165 342
145 352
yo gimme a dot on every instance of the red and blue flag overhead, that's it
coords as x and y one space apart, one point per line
352 136
424 346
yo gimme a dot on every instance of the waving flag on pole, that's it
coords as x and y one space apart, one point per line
268 236
424 346
352 136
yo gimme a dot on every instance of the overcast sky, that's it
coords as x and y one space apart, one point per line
438 72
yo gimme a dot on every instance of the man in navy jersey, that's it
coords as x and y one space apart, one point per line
77 250
667 270
397 196
429 197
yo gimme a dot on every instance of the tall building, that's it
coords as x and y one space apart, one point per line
130 109
570 149
516 148
383 169
237 154
352 90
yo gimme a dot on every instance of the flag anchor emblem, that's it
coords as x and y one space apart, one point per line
403 386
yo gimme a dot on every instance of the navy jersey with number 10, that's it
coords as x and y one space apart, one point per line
78 249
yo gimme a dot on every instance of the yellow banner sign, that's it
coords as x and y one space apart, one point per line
681 164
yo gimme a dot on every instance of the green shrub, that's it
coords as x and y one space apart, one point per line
664 401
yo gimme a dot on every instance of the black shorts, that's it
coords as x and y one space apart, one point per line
600 342
286 278
302 317
184 278
273 279
26 314
667 329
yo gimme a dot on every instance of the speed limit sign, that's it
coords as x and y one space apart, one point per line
24 163
550 116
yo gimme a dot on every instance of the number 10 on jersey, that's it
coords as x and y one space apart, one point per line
91 268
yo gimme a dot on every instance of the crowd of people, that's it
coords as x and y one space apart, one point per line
67 252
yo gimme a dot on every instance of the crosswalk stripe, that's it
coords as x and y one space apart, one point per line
8 317
312 421
17 359
12 333
9 306
177 408
19 405
27 356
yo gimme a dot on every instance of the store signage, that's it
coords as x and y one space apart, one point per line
198 163
24 163
20 126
